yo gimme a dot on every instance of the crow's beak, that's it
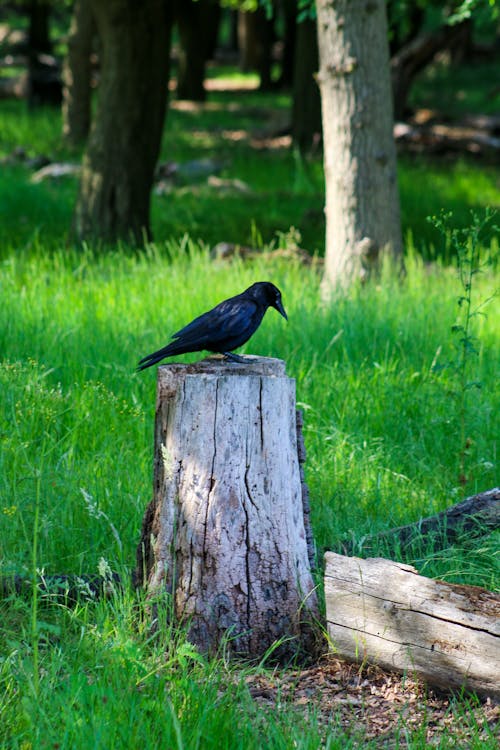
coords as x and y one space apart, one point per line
279 307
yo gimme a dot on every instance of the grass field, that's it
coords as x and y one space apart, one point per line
388 410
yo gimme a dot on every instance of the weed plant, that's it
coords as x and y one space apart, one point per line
466 246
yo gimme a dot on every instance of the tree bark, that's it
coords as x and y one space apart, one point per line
118 167
77 73
384 613
226 531
474 517
196 22
306 107
362 201
38 32
255 37
289 19
44 80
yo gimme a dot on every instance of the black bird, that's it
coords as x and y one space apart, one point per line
224 328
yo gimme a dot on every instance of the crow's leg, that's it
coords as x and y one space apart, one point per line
234 357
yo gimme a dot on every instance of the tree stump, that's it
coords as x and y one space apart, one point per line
226 533
382 612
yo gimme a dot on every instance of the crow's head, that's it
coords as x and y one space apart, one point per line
268 295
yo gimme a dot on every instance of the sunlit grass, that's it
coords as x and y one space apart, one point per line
380 430
381 426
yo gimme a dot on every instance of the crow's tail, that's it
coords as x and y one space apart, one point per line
151 359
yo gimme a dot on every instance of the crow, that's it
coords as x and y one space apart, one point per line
224 328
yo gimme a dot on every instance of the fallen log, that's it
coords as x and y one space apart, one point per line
64 588
383 612
445 138
473 517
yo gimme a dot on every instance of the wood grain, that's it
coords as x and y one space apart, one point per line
385 613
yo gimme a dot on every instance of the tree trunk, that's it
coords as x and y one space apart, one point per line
384 613
44 81
118 167
38 33
403 26
232 42
195 21
227 531
255 37
77 72
289 15
362 201
306 107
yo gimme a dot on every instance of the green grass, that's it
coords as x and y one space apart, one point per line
106 684
72 328
382 424
76 425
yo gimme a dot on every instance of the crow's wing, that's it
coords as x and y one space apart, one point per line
227 320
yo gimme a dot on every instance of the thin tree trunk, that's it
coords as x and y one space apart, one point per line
44 82
118 167
404 26
38 32
416 55
306 107
289 13
255 36
197 23
362 201
77 72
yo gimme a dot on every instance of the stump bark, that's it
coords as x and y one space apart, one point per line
226 534
382 612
